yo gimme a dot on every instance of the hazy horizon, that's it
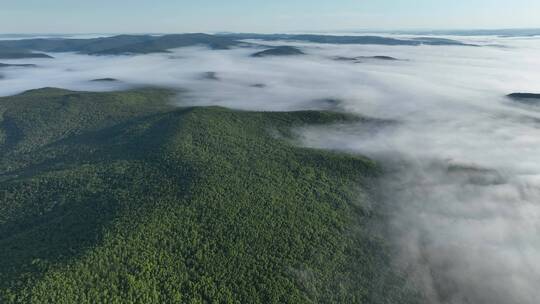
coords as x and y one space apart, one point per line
259 16
292 31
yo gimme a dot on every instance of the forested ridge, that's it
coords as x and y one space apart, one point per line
119 197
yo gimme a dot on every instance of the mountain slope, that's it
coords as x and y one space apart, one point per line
120 198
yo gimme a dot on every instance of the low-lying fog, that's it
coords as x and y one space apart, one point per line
463 185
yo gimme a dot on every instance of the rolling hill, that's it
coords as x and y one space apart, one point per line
120 197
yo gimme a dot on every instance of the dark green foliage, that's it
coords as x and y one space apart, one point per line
120 198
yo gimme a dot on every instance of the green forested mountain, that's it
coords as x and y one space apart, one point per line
121 198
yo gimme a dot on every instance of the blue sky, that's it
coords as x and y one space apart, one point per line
131 16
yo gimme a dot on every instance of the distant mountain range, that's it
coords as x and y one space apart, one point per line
122 44
331 39
493 32
145 44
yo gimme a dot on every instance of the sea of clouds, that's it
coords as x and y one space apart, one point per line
462 189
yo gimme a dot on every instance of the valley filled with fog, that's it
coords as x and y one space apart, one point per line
461 189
